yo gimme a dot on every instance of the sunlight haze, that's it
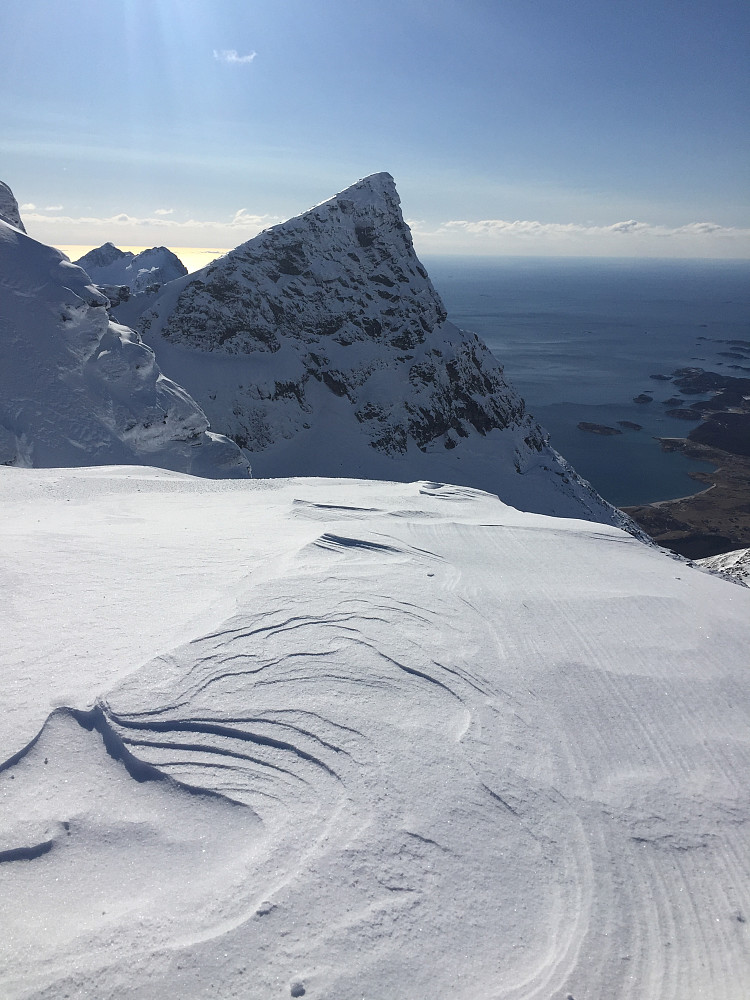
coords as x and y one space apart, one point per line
511 128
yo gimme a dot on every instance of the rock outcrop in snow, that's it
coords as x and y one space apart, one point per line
735 564
76 389
322 347
9 208
142 272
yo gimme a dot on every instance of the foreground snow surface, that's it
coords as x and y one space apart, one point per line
351 739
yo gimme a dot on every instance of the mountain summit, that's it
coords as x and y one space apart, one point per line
323 348
341 274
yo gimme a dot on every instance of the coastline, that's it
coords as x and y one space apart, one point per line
710 522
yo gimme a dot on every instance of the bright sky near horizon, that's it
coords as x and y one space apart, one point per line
510 126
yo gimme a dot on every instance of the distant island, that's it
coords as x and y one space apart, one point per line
602 429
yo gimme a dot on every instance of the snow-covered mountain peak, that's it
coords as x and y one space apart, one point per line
322 347
145 271
344 272
375 196
103 256
9 208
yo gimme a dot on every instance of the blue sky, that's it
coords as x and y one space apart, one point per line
511 126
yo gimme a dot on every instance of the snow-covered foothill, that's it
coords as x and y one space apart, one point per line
322 348
76 389
342 739
141 272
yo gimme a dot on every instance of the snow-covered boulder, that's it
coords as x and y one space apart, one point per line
77 389
141 272
322 347
9 208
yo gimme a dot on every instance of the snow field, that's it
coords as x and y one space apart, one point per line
362 739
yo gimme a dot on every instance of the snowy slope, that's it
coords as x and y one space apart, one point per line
322 347
356 739
76 389
108 265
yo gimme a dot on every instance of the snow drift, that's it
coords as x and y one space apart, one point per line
76 389
343 739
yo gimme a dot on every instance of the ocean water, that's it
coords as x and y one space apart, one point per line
579 338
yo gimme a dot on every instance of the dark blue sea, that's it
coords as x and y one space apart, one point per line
579 338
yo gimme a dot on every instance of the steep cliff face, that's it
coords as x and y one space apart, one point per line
322 347
76 389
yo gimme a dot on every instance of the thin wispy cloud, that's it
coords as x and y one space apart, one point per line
28 207
503 227
240 218
233 57
524 237
244 218
129 229
53 208
628 237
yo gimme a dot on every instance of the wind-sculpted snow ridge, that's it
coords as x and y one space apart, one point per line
391 740
322 347
76 389
9 208
142 272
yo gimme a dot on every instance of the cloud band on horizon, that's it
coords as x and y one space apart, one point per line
484 236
